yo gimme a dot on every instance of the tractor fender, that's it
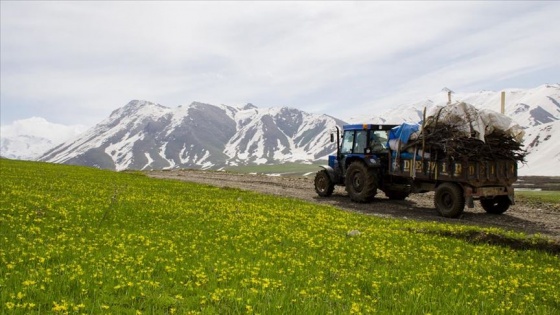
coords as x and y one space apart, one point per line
368 160
332 174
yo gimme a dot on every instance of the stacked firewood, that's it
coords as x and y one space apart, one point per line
447 141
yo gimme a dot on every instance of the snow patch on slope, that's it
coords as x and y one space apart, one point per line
150 160
541 142
121 151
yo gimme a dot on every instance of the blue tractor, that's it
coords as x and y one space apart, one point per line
364 163
361 164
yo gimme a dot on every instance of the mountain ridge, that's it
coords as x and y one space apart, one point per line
146 135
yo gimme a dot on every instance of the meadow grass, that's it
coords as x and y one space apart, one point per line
552 197
77 240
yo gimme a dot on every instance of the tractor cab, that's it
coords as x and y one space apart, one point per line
360 162
365 142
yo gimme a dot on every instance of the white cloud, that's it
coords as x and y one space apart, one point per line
40 128
78 61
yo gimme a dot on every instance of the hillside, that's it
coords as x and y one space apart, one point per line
143 135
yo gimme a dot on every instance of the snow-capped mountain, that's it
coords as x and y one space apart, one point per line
28 139
531 107
143 135
263 136
542 145
536 110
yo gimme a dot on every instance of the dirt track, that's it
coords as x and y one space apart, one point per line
520 217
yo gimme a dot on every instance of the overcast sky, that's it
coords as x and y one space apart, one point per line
74 62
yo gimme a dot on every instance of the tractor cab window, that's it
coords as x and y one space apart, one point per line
347 142
360 143
354 142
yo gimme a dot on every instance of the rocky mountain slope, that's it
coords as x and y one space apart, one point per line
144 135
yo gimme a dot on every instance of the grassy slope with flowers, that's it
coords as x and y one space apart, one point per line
81 240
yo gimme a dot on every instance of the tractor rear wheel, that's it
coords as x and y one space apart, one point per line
495 205
449 200
361 182
324 186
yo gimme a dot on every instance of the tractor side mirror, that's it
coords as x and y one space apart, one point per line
332 137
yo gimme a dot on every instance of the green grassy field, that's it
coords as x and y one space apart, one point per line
77 240
539 196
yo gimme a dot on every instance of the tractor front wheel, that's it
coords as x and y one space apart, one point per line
324 186
361 182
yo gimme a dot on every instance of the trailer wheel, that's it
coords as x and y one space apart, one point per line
361 182
449 200
323 184
496 205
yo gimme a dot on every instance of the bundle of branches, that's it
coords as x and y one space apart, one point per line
447 141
